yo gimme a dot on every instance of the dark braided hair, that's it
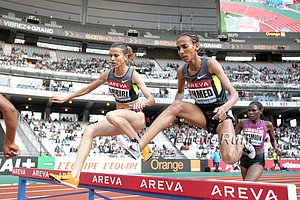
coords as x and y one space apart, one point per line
195 40
193 36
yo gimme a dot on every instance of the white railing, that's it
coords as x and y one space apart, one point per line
32 141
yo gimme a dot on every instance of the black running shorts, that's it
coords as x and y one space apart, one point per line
246 162
212 124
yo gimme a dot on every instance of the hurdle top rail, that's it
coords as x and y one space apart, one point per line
174 188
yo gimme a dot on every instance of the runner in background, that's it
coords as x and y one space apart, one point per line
276 159
255 130
216 160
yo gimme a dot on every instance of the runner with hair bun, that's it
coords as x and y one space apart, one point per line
124 83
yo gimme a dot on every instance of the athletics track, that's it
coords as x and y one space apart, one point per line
196 183
273 23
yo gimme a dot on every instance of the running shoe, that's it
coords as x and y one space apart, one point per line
134 148
67 179
147 153
248 149
131 146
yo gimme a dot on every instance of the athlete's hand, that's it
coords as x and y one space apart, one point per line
220 114
138 106
10 150
56 99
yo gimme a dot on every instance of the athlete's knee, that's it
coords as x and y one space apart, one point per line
228 144
140 116
176 107
114 119
138 122
138 126
110 116
9 108
88 132
229 157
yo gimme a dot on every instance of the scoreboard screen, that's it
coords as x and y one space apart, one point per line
260 15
